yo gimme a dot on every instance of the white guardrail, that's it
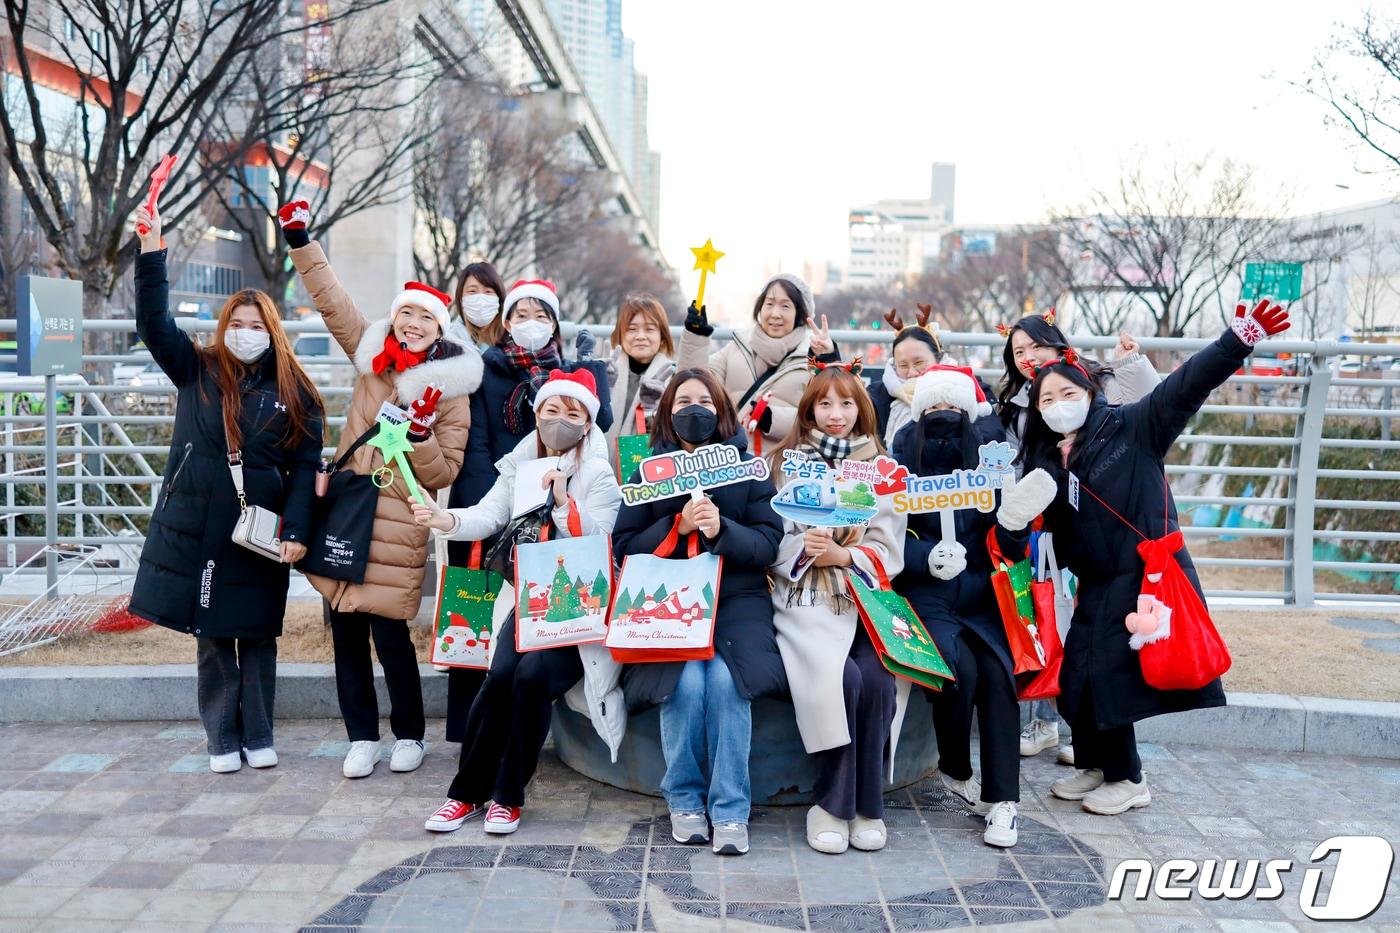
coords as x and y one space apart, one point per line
1297 407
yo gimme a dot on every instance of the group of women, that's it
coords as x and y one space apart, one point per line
487 393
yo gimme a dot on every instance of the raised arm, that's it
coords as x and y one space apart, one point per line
343 319
170 347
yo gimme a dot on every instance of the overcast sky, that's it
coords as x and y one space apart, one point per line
773 117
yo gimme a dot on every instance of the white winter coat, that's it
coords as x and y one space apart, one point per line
592 486
815 641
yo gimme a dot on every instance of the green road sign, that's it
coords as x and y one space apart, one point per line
1281 281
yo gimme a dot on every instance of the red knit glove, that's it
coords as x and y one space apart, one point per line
293 219
1263 322
424 412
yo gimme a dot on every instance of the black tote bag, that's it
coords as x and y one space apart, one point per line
342 522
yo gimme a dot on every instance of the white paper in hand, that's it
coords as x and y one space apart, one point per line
529 493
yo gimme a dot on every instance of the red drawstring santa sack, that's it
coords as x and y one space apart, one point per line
1178 645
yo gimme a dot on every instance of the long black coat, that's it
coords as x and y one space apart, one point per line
490 439
1121 460
947 607
192 577
744 633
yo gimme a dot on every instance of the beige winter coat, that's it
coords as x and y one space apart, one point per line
737 367
815 641
393 584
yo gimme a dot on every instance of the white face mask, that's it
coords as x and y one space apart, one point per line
532 336
892 380
247 344
481 309
1064 417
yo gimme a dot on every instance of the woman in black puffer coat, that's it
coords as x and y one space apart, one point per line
248 388
1108 461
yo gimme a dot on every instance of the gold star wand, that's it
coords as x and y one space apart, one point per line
705 258
392 442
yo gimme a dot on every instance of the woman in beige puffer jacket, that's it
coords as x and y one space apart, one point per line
388 371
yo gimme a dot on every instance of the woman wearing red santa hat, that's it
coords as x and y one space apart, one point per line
509 717
947 581
406 361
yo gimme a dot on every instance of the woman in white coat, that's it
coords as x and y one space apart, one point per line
844 698
510 716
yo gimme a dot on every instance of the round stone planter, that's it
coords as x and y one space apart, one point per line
780 769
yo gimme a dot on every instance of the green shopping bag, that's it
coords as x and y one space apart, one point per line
1012 584
466 600
904 645
632 449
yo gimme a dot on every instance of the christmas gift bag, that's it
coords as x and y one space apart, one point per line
562 587
466 599
1012 584
664 608
632 449
905 647
1054 606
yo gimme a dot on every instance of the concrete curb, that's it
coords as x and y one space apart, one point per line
1262 721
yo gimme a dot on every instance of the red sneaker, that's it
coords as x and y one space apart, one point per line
502 820
451 815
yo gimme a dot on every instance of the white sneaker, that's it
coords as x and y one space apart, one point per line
407 755
1039 735
360 760
1065 755
1079 786
225 764
1001 825
1117 797
969 792
261 757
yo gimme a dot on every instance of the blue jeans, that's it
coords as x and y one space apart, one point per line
706 728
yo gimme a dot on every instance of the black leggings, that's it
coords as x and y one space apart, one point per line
1112 751
982 682
509 720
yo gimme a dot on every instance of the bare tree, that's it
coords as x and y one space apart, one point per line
1357 75
595 268
982 282
336 130
149 77
1171 241
17 244
509 172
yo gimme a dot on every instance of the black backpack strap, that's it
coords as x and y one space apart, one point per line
359 442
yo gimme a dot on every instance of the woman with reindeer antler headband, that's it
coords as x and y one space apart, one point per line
916 348
1112 507
1128 378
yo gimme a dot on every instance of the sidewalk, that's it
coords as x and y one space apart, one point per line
121 826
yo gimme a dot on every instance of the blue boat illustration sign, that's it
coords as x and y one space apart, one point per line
827 496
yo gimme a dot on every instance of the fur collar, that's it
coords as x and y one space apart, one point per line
455 375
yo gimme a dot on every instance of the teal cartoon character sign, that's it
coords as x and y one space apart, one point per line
838 495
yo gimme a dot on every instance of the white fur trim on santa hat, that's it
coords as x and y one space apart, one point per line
537 290
422 298
568 388
945 387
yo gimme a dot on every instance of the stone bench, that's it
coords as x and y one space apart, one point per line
780 769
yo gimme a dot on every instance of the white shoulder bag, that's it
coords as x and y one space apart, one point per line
257 529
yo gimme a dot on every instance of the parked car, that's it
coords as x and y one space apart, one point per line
314 352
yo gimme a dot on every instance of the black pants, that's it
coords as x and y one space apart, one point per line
1113 751
354 675
851 779
982 682
463 683
237 680
509 720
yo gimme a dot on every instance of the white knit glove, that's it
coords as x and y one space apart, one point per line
947 560
1023 501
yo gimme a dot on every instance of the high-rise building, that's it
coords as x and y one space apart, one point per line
893 240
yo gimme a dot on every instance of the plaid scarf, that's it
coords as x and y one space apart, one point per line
831 448
519 407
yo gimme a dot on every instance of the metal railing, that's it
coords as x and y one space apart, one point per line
100 457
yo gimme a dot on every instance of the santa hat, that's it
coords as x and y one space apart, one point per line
950 385
426 297
541 290
579 386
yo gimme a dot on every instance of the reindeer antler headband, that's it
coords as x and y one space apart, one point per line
1070 357
1006 329
815 365
923 321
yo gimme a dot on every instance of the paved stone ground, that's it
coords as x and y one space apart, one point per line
121 826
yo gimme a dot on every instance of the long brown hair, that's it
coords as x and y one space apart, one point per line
847 385
663 433
295 389
648 307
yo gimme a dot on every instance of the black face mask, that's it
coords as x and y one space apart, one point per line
694 424
943 424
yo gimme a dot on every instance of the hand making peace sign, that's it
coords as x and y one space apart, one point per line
821 337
